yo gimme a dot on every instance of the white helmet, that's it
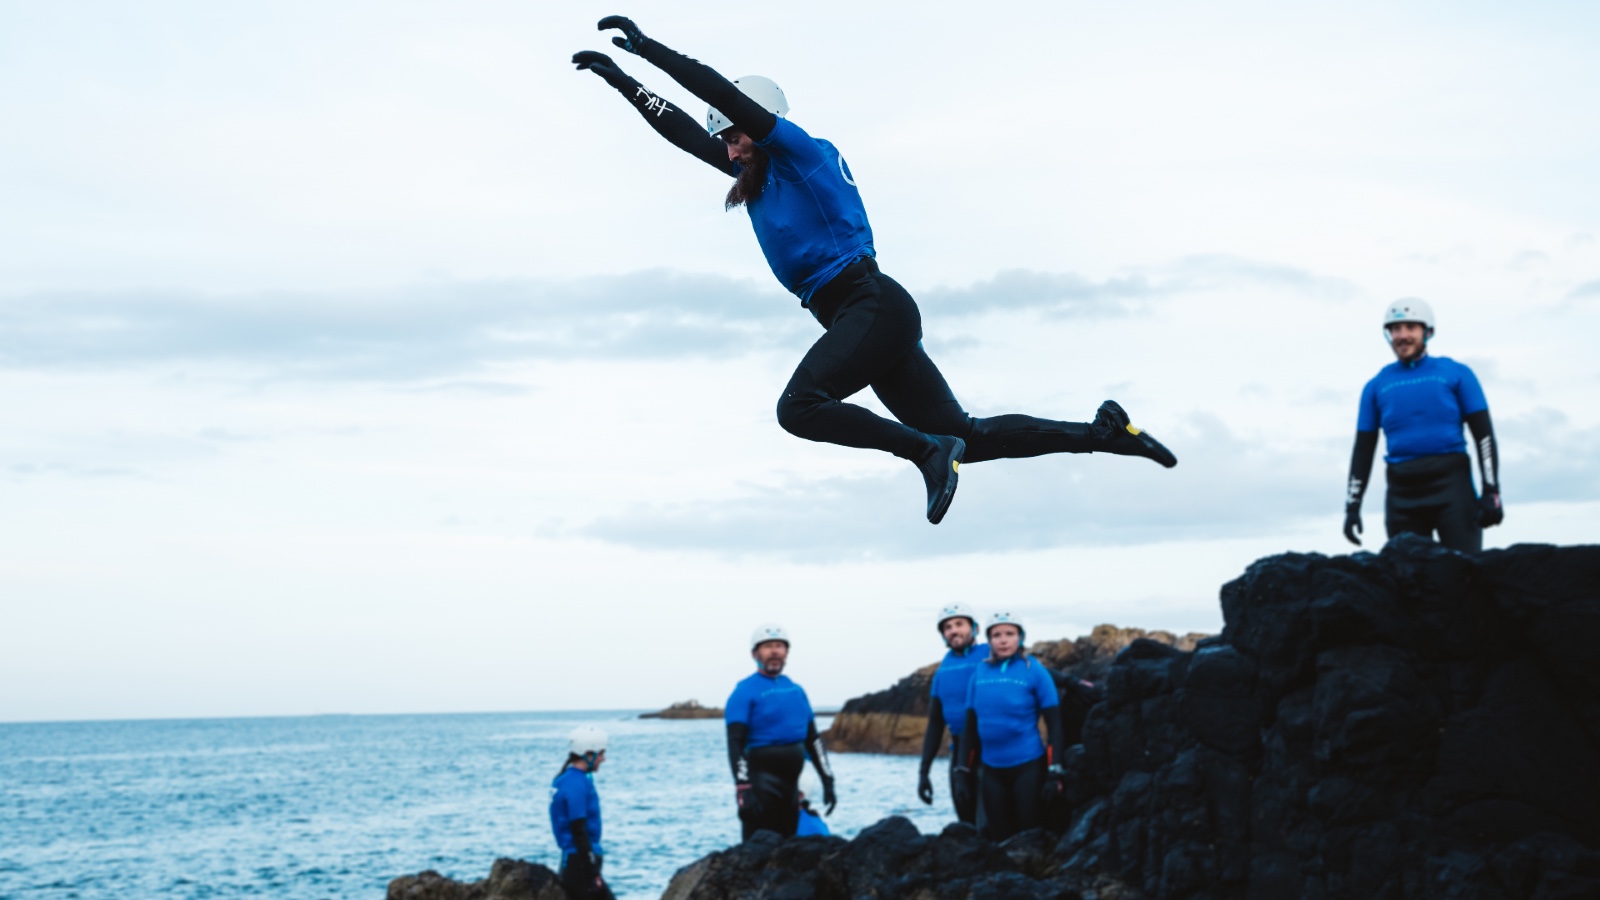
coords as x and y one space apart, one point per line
586 739
956 611
1006 618
762 90
768 633
1408 309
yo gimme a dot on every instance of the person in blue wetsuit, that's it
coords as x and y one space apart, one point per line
771 731
947 708
812 226
1018 774
575 816
1420 402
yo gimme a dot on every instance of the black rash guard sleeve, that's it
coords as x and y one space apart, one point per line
818 754
709 85
738 740
1057 749
933 735
1360 468
1488 458
580 836
971 747
677 126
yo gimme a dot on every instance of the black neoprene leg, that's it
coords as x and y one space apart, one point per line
965 812
1027 789
775 776
1458 517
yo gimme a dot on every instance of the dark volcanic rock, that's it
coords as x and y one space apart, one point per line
1415 723
509 879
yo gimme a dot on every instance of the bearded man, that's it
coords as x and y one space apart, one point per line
811 224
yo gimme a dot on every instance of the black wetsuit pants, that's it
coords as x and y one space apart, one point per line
775 781
1434 494
581 880
965 812
1011 798
874 339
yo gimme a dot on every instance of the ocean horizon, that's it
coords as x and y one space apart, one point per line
338 804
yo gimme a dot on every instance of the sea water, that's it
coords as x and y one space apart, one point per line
336 806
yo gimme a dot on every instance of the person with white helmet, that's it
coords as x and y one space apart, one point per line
575 815
771 731
947 707
812 226
1420 402
1018 773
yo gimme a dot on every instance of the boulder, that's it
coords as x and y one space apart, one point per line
509 879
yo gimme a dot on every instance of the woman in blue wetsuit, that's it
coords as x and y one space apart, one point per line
1017 772
575 816
812 227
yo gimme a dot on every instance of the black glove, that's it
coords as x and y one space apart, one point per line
961 787
1055 786
1352 523
829 798
1490 512
924 787
749 801
632 39
601 65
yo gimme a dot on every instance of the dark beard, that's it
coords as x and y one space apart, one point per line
751 181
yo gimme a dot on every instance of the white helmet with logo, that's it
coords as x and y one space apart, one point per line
1006 618
768 633
1408 309
763 91
957 611
586 739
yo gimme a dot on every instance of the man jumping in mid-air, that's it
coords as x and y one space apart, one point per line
812 227
1420 402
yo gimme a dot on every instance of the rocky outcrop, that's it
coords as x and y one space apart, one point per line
1415 723
893 720
687 709
509 879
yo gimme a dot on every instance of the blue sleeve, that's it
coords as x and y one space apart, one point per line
794 153
1044 687
1367 419
574 802
738 709
1470 394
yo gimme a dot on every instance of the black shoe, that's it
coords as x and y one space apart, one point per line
940 472
1117 435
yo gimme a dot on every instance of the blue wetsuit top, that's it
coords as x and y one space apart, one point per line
809 218
572 796
810 823
1008 696
950 683
776 710
1420 407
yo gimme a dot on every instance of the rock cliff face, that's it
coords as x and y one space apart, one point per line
686 709
1415 723
893 720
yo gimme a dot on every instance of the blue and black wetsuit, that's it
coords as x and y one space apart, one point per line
812 227
1005 701
947 709
575 820
771 731
1420 407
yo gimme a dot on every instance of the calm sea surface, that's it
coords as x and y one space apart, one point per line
336 806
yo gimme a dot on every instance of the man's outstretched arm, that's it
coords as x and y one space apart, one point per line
1490 511
670 122
700 79
1360 472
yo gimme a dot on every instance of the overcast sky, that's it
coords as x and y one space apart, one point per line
363 357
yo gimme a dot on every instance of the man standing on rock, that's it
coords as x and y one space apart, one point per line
575 816
947 708
1420 402
812 226
771 731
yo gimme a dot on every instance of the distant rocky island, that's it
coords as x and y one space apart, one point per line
687 709
1411 723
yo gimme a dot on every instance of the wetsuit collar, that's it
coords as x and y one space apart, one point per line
1421 358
